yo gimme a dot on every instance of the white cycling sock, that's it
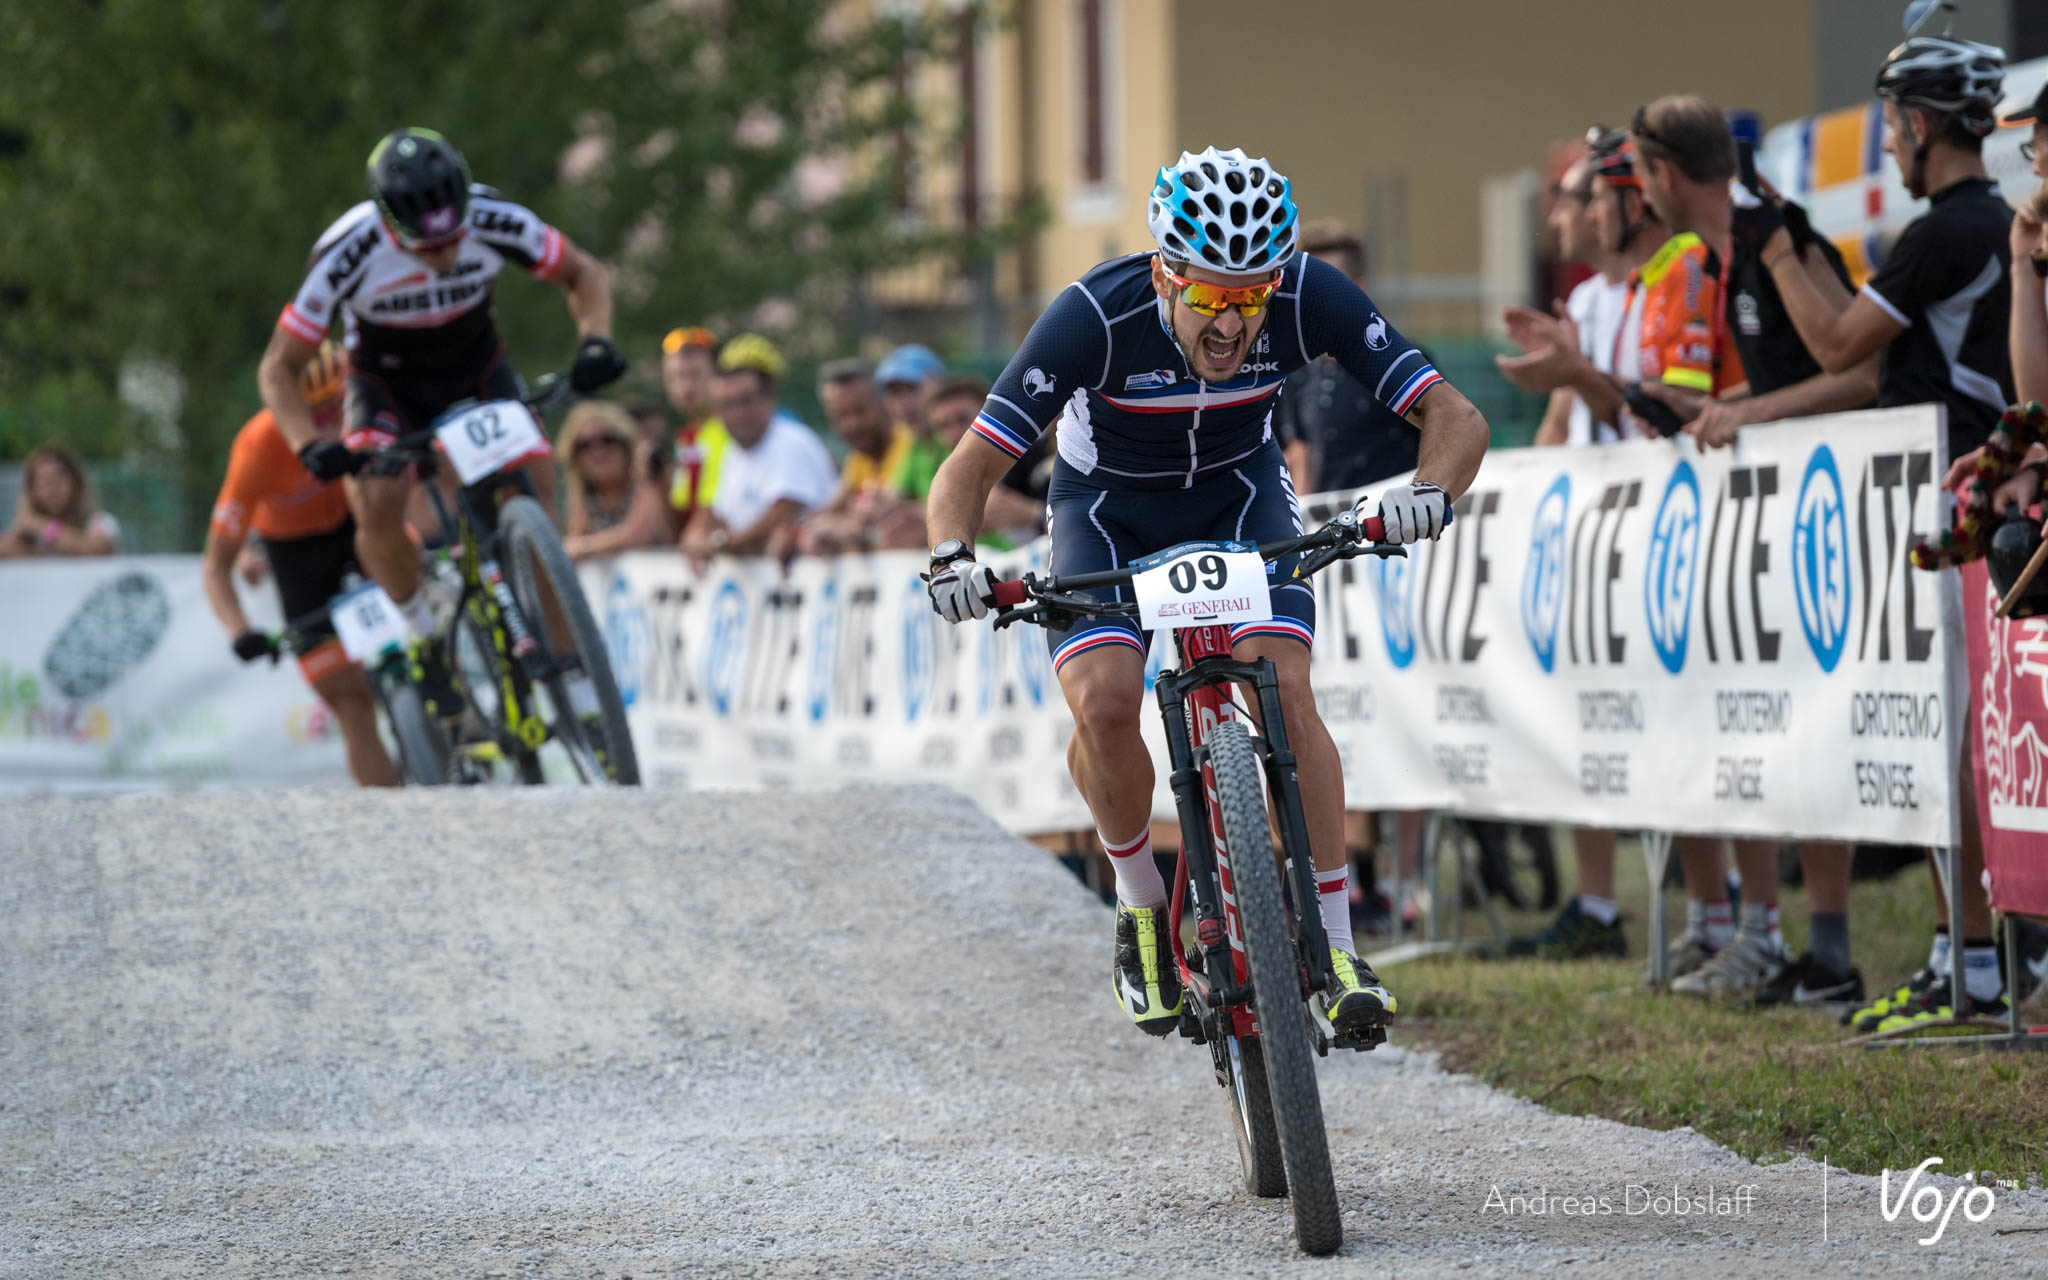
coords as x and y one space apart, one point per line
1760 920
1981 980
419 615
1937 955
1138 882
1333 892
1601 910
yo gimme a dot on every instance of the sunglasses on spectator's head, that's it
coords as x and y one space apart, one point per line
1207 299
693 337
1639 125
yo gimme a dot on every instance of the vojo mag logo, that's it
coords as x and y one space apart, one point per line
1820 559
625 636
1395 587
1543 575
1668 567
725 655
920 648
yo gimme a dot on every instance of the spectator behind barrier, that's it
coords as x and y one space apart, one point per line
1337 436
1590 924
689 372
1016 506
907 376
612 502
1939 308
774 471
2029 271
865 514
1690 169
1555 350
57 514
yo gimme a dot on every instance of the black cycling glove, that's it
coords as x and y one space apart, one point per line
597 364
329 460
1754 225
251 645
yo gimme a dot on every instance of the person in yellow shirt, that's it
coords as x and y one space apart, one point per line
867 513
689 362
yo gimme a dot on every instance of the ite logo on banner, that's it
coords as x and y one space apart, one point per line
625 636
920 648
1394 584
824 649
725 652
1820 559
1668 567
1543 578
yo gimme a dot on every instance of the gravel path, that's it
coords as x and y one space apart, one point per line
566 1034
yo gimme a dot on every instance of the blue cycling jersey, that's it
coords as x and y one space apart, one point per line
1102 363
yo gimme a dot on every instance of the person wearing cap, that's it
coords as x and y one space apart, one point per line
904 375
689 372
1557 350
775 470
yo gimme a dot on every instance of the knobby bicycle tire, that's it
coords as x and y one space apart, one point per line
1288 1056
422 747
530 541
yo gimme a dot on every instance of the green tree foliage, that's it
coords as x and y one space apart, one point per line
165 166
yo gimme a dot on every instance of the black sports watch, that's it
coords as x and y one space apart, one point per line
950 550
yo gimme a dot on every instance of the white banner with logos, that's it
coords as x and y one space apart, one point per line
1638 636
114 676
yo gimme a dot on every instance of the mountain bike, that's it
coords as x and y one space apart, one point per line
518 630
1260 952
372 632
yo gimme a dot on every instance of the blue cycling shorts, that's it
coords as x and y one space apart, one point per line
1094 529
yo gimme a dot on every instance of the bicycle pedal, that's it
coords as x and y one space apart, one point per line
1365 1041
1190 1026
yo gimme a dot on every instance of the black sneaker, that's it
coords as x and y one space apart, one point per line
1805 984
1574 935
2033 966
430 671
1864 1018
1146 983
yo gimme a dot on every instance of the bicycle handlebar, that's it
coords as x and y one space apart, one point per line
547 391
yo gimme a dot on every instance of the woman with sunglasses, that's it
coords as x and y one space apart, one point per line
411 273
1161 370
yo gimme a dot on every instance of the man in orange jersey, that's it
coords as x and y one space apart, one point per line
306 527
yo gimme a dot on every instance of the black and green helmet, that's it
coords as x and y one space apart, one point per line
421 185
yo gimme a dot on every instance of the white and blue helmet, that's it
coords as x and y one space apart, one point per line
1223 211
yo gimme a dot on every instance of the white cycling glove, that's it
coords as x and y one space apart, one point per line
1412 512
962 590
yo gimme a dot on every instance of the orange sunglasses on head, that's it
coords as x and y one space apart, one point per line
1207 299
693 336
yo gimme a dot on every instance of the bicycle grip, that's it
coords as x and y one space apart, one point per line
1009 594
1376 528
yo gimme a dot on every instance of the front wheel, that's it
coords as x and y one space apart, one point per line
1285 1048
544 582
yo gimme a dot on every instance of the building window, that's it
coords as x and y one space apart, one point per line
1092 20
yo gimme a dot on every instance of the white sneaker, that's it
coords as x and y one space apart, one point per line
1687 954
1738 971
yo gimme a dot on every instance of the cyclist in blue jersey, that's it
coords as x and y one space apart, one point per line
1161 370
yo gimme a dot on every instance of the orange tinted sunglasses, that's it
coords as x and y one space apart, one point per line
1207 299
695 336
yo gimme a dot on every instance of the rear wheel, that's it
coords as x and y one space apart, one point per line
1251 1105
422 746
544 582
1285 1049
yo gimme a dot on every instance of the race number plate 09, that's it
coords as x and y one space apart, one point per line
368 624
1200 583
484 440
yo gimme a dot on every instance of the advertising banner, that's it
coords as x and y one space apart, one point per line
2009 660
114 676
1637 636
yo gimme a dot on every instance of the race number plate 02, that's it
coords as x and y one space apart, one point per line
1199 583
484 440
367 623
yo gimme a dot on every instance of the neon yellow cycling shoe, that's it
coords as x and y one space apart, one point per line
1356 1004
1146 983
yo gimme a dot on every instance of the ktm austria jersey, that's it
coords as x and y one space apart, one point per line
399 315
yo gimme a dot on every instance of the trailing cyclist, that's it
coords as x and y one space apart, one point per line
411 272
1162 370
310 541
